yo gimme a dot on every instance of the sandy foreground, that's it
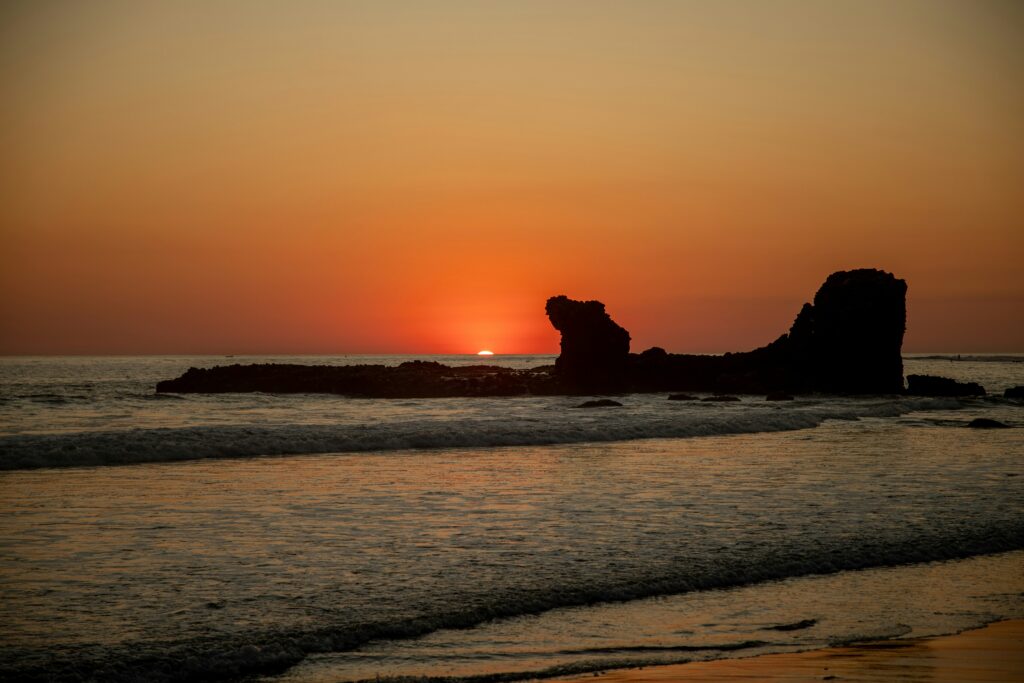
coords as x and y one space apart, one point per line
993 653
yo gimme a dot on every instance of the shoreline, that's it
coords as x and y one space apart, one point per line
992 653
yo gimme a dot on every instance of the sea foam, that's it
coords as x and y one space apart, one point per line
508 422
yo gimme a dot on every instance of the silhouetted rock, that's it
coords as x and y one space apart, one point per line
595 350
722 399
415 379
986 423
1014 392
600 403
930 385
849 340
681 397
778 396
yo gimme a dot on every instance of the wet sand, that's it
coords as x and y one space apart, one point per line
993 653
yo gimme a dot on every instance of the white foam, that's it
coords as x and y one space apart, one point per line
505 422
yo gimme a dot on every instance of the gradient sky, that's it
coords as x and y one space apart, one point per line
346 177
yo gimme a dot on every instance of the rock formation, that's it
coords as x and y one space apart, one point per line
930 385
847 341
600 403
415 379
595 350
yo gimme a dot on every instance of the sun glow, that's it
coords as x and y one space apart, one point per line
485 352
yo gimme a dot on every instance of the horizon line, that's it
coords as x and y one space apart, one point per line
470 354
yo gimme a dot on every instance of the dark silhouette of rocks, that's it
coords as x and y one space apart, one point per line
986 423
681 397
600 403
594 349
930 385
721 399
779 396
848 341
1014 392
414 379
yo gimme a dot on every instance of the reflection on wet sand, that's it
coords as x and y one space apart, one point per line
991 654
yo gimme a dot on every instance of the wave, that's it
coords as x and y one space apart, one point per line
53 399
26 451
625 649
252 653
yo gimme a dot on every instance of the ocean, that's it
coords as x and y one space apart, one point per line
323 538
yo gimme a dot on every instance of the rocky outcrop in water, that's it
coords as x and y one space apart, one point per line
1014 392
848 340
600 403
594 349
415 379
930 385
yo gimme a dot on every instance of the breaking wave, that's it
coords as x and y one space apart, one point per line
25 451
273 651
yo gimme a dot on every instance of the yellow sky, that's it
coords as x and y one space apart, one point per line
234 177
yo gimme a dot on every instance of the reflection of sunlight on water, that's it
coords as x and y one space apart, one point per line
990 654
228 550
313 551
909 601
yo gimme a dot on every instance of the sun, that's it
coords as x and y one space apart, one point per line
485 352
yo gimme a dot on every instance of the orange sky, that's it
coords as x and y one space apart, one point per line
346 177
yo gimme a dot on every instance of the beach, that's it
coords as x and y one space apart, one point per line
991 654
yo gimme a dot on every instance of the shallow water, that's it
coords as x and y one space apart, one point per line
92 411
259 562
225 567
777 616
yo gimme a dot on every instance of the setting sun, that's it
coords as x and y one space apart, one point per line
485 352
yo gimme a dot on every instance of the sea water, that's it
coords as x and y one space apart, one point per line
144 537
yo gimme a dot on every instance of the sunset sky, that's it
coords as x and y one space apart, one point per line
418 177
